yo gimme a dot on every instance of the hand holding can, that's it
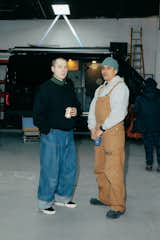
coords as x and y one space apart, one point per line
68 112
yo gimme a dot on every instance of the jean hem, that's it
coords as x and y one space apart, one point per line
62 199
43 204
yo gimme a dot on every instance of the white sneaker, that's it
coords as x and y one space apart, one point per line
69 204
48 211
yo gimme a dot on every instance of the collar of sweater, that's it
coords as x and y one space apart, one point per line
58 82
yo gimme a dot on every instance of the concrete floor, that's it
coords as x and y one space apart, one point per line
20 220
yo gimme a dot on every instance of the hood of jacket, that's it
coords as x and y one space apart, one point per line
151 93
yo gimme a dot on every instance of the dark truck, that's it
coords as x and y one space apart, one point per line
28 67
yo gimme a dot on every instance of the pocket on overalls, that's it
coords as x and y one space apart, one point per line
113 139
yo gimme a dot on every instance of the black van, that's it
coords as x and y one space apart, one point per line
28 67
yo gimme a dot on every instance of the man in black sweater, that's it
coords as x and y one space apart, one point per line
147 111
54 113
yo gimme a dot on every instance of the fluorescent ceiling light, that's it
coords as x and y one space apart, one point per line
61 9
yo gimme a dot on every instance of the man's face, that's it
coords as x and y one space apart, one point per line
60 69
108 73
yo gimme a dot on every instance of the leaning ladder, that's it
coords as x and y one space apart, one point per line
136 51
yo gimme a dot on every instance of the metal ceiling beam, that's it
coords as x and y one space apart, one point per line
42 9
48 30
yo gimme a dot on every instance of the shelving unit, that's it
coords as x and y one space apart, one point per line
3 69
30 131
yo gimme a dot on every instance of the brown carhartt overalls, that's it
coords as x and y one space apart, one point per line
109 158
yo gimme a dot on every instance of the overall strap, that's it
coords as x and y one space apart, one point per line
113 87
99 90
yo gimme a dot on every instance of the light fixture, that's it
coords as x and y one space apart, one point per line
93 65
73 65
61 9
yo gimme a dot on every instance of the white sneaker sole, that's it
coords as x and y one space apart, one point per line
47 212
65 205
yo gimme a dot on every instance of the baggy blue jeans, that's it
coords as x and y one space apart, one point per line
58 167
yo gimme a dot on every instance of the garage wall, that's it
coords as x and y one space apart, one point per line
92 32
158 60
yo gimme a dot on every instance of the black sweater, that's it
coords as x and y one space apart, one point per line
50 104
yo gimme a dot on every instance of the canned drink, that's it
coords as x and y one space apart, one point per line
68 112
97 142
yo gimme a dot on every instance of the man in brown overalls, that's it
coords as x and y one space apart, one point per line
107 112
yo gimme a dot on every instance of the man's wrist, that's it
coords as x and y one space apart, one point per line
102 129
